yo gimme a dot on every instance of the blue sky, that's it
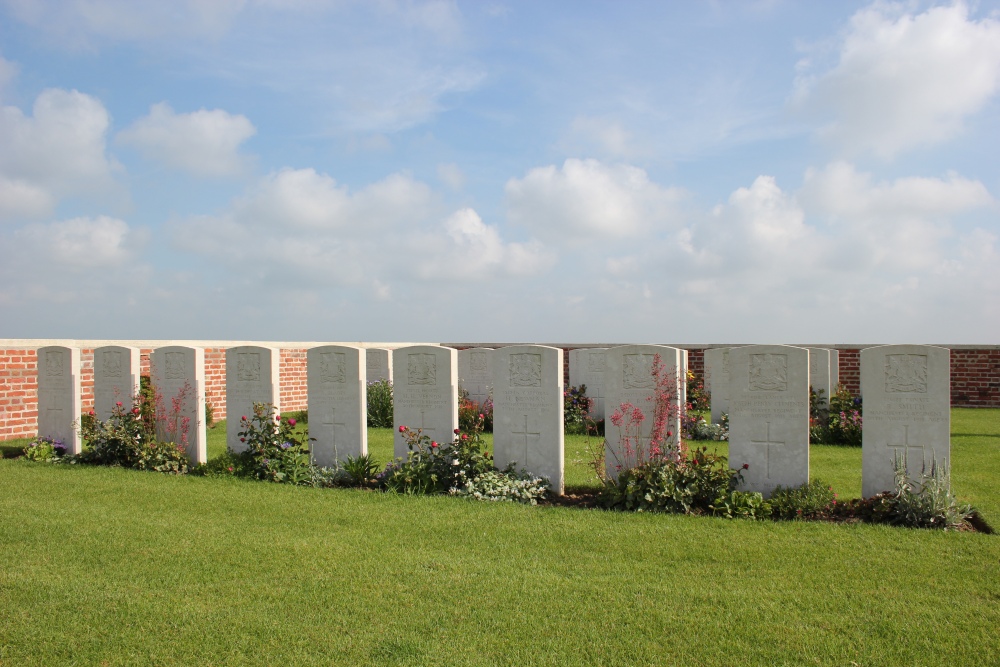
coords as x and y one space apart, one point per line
549 172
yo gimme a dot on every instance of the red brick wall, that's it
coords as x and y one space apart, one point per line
18 394
293 380
850 370
696 362
975 378
215 380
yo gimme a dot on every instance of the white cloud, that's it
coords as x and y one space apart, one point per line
57 152
451 175
203 142
78 243
609 137
299 225
82 23
589 198
905 79
8 72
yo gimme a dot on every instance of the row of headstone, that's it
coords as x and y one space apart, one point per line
906 390
907 416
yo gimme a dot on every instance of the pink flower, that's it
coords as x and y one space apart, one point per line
243 418
292 422
277 418
92 413
480 415
402 428
119 404
135 411
230 468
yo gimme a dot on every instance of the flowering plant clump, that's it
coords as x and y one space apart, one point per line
698 397
696 427
462 467
838 423
637 443
470 412
48 450
274 451
128 438
576 411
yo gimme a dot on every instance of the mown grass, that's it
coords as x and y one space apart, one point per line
108 566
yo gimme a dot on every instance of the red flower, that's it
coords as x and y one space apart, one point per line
243 418
292 422
277 418
746 466
465 437
243 439
119 404
402 428
669 433
433 444
457 431
92 413
135 411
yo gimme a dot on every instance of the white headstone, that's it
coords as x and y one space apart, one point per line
425 393
820 375
337 403
59 395
178 375
684 378
475 372
586 366
116 378
528 411
717 381
378 364
834 370
769 417
907 412
251 377
628 378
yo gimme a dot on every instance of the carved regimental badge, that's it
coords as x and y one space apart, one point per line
637 371
526 370
333 367
906 373
421 369
477 361
248 367
595 362
112 360
373 362
768 372
175 365
54 363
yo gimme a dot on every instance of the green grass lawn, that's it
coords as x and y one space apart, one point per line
114 567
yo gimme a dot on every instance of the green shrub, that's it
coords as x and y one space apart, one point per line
692 482
209 414
743 505
501 486
361 470
45 449
813 500
927 503
696 427
576 410
380 404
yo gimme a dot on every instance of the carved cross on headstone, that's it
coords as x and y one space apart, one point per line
526 435
768 444
426 430
905 446
332 422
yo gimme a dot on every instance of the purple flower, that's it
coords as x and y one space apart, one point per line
286 445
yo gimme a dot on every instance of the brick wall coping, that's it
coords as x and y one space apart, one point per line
28 343
707 346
